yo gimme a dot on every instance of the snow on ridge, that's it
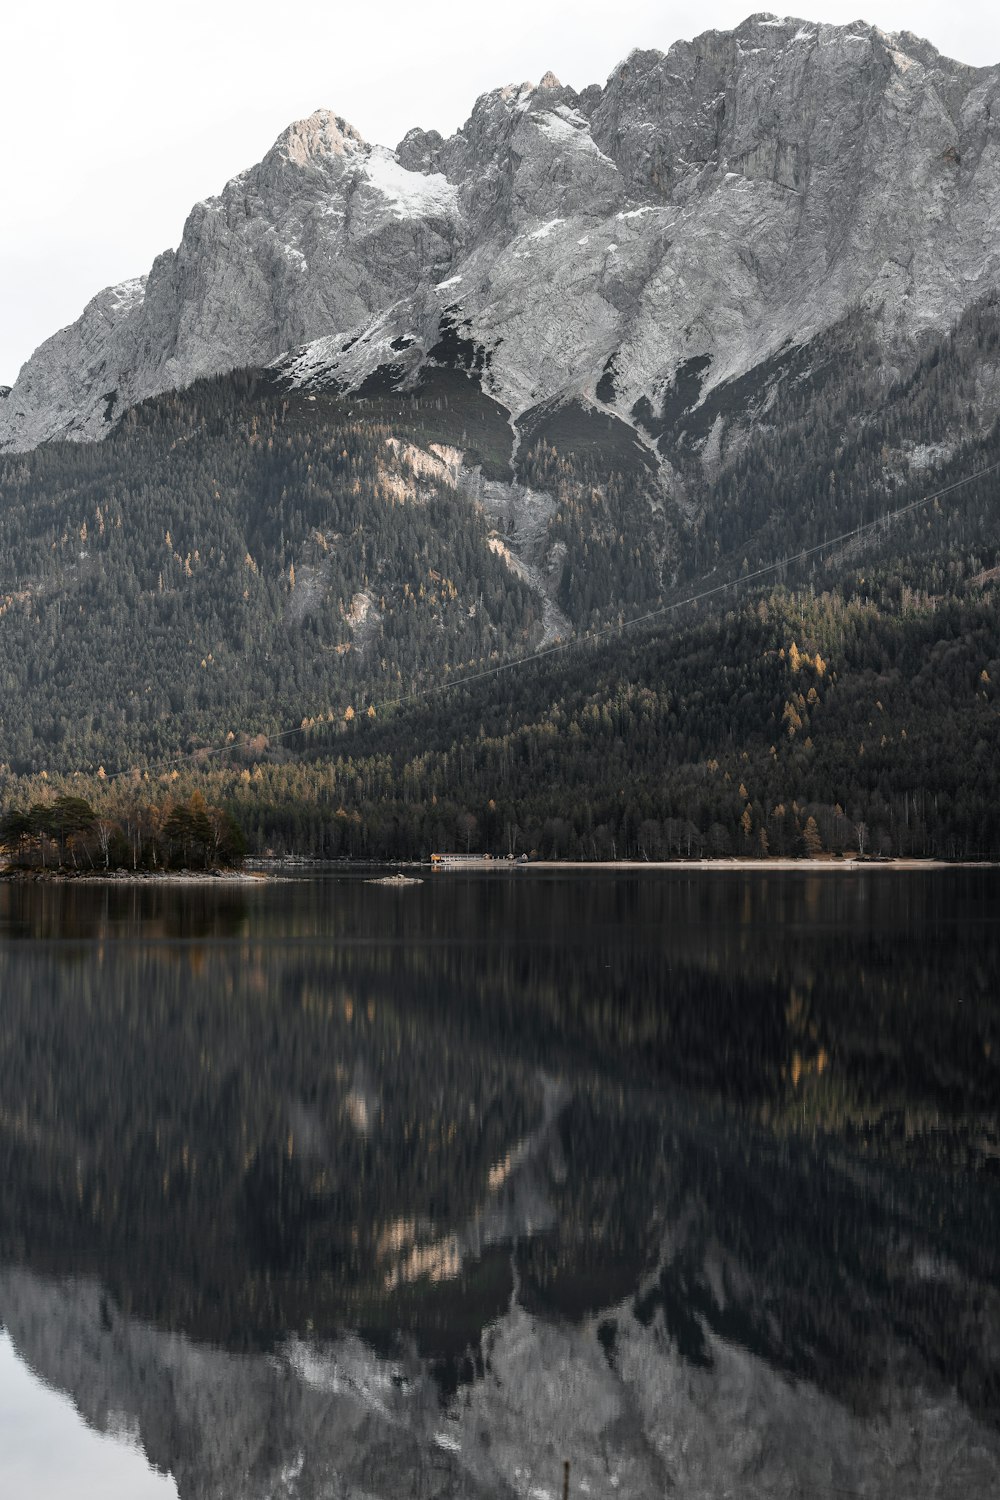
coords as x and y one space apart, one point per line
546 229
345 356
128 294
567 127
571 116
410 195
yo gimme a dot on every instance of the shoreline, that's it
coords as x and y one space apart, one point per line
783 864
281 871
135 877
762 866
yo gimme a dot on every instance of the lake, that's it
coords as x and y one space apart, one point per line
325 1188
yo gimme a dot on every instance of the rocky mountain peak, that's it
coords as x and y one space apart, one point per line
420 150
321 134
713 202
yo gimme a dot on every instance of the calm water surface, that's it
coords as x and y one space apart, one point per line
324 1188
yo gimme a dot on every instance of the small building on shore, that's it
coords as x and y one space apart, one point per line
460 861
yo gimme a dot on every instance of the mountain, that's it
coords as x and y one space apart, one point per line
637 247
386 420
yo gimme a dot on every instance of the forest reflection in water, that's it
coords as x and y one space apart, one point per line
753 1111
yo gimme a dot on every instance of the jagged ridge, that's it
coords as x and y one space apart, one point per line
701 210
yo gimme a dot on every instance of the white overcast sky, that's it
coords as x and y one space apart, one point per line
116 118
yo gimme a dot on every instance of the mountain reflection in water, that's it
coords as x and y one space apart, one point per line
336 1189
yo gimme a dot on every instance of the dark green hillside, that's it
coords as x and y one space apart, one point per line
195 574
448 408
798 724
833 438
237 560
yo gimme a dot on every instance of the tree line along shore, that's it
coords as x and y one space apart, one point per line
67 834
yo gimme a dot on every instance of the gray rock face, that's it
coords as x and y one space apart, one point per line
324 231
742 190
315 1420
73 373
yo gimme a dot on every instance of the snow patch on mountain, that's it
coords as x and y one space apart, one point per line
410 195
569 129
